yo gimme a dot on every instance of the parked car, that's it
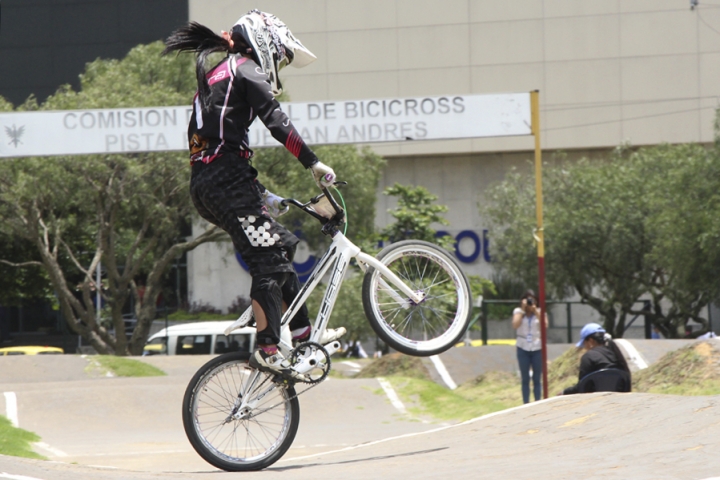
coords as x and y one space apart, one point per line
202 338
31 350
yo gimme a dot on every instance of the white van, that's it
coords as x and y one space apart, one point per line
200 338
204 338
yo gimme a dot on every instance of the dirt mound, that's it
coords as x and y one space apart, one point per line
564 370
691 370
395 364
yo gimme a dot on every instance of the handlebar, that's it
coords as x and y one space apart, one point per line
329 224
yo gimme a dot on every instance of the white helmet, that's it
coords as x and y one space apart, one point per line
271 44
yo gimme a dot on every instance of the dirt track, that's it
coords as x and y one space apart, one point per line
350 430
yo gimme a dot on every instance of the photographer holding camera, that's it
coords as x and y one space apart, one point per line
526 322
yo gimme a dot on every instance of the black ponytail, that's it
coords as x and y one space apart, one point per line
197 38
603 338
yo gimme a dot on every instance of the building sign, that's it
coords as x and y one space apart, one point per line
129 130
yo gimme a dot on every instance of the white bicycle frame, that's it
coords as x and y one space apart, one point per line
338 255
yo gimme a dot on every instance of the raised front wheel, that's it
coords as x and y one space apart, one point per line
432 325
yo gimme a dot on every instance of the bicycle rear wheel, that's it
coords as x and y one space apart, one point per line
236 418
439 320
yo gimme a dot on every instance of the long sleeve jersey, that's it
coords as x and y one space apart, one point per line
239 92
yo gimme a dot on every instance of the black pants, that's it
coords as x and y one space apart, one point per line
226 193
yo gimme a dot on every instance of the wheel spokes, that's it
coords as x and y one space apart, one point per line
438 310
254 433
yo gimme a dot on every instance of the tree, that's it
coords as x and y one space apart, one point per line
686 249
415 215
611 232
22 285
126 211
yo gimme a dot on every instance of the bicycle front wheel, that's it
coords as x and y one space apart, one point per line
236 418
439 320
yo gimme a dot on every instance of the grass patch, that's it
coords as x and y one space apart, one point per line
124 367
563 372
395 364
16 441
485 394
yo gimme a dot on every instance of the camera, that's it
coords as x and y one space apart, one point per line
529 301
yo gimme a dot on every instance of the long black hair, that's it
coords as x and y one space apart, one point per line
603 338
197 38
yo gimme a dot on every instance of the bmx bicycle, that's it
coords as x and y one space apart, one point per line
415 296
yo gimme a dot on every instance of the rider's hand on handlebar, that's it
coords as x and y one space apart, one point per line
323 175
272 202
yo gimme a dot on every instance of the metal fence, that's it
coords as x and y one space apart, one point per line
563 328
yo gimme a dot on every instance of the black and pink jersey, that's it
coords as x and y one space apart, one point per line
239 92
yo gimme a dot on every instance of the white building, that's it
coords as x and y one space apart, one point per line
608 72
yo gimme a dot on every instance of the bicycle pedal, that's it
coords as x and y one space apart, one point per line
283 380
286 380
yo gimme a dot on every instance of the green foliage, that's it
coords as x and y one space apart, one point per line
563 372
5 105
27 284
134 210
639 223
415 214
16 441
130 209
142 79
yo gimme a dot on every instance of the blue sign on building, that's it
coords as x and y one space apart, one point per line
480 247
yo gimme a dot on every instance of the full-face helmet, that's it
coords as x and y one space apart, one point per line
270 43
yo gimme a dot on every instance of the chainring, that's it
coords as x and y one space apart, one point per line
307 352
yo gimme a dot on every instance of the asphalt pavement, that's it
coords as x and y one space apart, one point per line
130 428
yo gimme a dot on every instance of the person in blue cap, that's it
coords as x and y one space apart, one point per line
601 353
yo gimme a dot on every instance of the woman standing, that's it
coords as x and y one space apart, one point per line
526 322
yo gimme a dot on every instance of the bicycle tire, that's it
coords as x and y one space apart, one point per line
435 324
237 445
